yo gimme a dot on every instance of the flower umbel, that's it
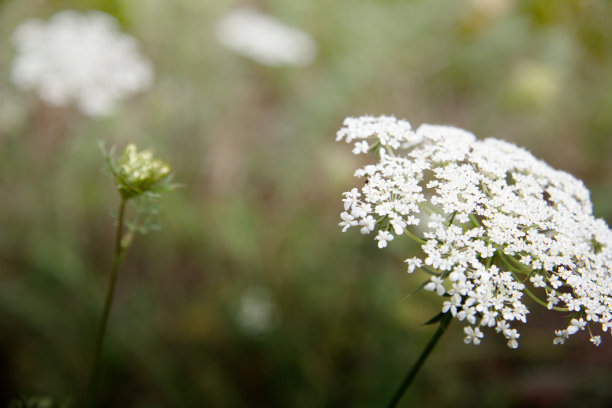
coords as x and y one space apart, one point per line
494 223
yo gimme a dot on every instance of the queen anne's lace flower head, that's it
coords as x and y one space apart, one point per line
81 58
499 224
265 39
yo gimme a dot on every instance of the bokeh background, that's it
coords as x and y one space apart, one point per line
250 295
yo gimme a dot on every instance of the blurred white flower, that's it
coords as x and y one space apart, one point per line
80 58
499 224
534 83
491 8
265 39
255 310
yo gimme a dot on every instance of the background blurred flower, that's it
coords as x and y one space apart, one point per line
79 57
533 84
265 39
255 310
490 8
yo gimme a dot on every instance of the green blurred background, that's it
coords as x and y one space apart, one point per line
250 295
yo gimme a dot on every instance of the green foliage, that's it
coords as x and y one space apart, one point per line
36 402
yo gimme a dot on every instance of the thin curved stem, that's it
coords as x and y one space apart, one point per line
474 221
444 322
118 257
527 291
537 299
519 266
428 211
506 262
414 237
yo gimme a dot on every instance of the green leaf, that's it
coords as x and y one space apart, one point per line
421 286
437 318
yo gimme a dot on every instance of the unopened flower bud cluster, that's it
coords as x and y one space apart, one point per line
138 171
494 224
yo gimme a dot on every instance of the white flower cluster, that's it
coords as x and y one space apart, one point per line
81 58
265 39
499 223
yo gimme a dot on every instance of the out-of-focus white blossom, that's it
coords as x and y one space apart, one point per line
265 39
490 8
80 58
534 83
255 312
499 224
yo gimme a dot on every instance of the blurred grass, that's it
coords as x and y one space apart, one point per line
254 147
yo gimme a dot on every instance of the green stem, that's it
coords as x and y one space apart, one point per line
414 237
444 322
512 268
527 291
474 221
520 267
118 257
428 211
537 299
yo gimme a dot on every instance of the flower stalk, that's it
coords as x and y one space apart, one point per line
497 226
140 178
120 249
444 323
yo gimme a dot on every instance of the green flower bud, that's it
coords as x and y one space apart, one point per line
138 172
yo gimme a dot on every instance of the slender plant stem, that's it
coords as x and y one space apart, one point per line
514 271
414 237
118 257
444 322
